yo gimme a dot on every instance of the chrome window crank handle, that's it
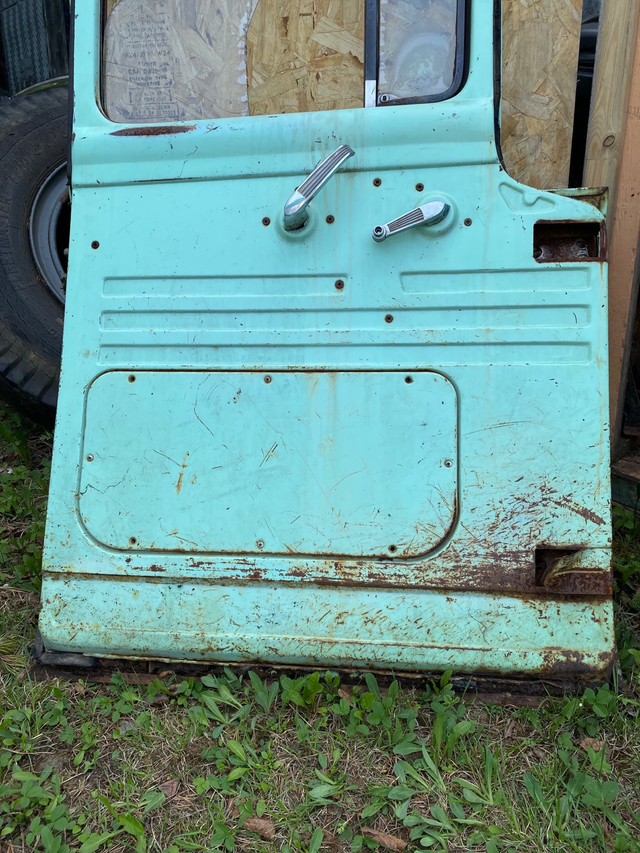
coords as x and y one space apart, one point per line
427 214
295 210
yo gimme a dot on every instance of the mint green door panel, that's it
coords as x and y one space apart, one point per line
331 626
338 514
279 463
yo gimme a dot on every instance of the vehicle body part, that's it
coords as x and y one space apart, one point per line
307 447
295 210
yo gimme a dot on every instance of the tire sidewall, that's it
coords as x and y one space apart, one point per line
33 144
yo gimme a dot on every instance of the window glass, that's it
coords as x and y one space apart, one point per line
417 44
174 60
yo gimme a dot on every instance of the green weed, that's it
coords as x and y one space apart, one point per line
248 761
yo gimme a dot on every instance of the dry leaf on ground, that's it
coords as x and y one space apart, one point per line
389 842
265 828
169 788
592 742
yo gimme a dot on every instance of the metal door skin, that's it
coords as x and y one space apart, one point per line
284 463
315 445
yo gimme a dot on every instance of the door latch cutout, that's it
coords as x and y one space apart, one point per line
562 242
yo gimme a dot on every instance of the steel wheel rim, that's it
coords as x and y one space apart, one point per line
48 231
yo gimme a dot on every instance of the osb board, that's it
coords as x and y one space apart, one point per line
109 4
305 55
169 60
540 42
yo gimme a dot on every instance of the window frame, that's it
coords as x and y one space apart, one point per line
371 65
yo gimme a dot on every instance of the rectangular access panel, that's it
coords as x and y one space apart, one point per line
334 387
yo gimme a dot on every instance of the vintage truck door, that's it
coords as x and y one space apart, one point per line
366 429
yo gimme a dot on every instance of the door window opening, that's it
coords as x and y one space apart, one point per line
183 60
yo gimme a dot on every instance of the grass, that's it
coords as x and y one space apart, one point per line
241 761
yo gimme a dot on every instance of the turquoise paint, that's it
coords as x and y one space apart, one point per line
172 529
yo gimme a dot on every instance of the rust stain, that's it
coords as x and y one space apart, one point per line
563 241
154 130
567 572
563 663
181 474
153 568
587 514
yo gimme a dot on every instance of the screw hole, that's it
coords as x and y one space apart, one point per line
393 549
267 380
388 318
95 244
420 187
377 182
408 379
468 221
260 544
339 284
448 463
90 457
131 377
266 221
133 540
330 219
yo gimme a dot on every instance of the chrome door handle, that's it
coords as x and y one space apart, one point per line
295 210
427 214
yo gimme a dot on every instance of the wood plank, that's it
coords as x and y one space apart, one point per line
540 43
625 481
624 233
612 78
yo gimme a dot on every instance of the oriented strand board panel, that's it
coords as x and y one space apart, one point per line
540 42
305 55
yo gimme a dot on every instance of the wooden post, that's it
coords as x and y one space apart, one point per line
540 43
613 155
610 98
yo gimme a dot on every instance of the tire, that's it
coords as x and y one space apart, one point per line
34 233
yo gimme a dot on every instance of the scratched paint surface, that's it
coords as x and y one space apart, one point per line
284 462
179 268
